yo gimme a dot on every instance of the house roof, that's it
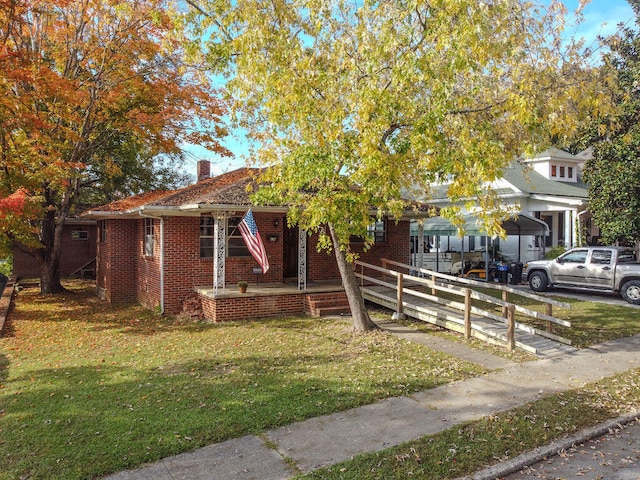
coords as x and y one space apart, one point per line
555 154
525 181
226 192
529 181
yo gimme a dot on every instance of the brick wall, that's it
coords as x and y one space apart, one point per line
74 253
116 272
323 266
245 307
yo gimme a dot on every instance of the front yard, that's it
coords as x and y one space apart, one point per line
86 389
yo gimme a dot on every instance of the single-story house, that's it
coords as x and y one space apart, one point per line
77 252
169 249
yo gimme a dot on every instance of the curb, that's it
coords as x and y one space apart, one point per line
533 456
6 301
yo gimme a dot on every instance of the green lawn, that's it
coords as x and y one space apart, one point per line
86 389
591 322
467 448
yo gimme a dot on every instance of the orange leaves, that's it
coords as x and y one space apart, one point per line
94 83
13 204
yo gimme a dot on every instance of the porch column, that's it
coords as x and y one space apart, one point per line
568 229
302 259
219 251
420 252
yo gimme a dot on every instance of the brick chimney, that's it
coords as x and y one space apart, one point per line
204 169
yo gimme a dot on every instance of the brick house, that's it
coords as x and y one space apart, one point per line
77 253
162 249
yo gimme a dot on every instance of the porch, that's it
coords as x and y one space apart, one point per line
271 299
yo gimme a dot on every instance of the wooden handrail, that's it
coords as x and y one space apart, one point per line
461 291
468 281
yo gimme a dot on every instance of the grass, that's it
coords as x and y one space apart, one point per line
469 447
87 389
591 322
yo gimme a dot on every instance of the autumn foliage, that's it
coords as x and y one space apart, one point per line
88 89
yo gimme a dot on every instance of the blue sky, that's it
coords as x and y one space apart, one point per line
601 17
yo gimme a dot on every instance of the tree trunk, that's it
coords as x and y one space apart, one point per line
49 255
361 320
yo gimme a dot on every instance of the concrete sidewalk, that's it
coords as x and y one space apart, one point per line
302 447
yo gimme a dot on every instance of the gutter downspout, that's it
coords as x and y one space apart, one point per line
161 257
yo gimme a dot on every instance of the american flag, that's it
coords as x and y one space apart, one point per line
249 231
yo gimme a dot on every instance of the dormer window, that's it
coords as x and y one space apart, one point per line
562 172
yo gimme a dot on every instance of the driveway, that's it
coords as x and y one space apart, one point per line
600 297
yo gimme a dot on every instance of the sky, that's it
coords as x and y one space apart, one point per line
601 17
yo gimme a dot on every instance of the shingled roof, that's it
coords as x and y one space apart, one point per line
529 181
228 189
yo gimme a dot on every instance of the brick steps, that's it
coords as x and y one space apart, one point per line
323 304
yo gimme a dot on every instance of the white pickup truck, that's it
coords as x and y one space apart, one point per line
605 269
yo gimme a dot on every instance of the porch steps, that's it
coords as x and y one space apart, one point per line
323 304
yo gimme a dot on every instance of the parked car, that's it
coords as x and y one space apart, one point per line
605 269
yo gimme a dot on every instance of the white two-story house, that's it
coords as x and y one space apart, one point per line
549 188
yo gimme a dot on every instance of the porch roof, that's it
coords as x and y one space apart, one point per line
521 225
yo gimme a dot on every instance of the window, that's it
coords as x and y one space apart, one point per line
103 230
553 171
601 257
148 237
577 256
570 172
627 256
561 172
375 231
235 243
236 247
79 234
378 231
206 237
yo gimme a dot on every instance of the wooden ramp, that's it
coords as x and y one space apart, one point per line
464 317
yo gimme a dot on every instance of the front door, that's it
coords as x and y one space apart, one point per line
290 252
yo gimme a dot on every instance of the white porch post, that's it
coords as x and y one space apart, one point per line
302 259
219 251
568 229
420 252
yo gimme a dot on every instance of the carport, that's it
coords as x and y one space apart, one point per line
523 224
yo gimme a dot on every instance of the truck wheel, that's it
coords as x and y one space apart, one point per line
630 291
538 282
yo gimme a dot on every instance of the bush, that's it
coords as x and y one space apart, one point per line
555 252
6 266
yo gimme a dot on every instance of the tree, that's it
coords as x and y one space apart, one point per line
91 92
354 103
613 173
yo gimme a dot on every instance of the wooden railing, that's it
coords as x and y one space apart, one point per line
439 282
